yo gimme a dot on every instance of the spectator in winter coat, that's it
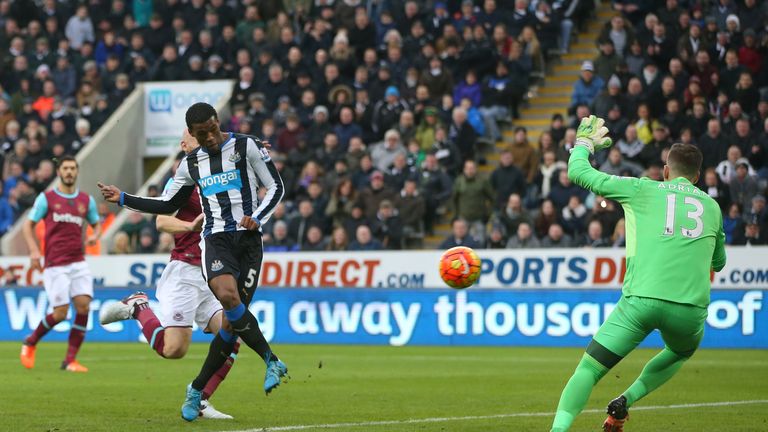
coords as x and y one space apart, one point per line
594 237
524 238
386 113
65 77
425 132
563 190
384 153
473 199
713 145
364 240
279 241
507 179
749 54
79 28
608 98
726 169
288 138
556 238
462 134
459 236
605 63
513 214
620 32
716 189
437 79
436 188
387 227
370 198
524 156
497 92
574 216
411 207
743 186
469 88
752 235
446 152
347 128
616 165
587 87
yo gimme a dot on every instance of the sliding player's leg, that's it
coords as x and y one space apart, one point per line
682 328
618 336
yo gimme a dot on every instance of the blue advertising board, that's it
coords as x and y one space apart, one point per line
737 318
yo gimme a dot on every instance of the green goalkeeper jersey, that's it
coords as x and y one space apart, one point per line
674 232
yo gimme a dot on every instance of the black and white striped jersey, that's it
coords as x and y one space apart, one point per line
228 182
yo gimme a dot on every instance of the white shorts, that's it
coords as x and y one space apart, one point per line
67 281
185 297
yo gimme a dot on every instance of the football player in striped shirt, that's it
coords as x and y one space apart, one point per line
228 170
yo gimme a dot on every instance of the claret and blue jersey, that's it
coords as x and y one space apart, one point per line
228 182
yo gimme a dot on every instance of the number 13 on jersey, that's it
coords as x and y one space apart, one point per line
695 216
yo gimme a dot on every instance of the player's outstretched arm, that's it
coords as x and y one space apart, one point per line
590 137
160 205
175 196
174 225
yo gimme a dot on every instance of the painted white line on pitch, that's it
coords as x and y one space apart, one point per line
493 416
432 358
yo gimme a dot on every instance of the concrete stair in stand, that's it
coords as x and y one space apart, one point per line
549 97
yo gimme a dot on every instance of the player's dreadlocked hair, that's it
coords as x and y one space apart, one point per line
685 160
64 158
200 112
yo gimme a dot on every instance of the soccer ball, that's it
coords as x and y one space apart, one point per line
459 267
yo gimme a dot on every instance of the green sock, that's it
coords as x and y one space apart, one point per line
576 392
655 373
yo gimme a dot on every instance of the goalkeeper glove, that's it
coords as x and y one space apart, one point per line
591 134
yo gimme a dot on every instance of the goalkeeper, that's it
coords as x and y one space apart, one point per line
674 238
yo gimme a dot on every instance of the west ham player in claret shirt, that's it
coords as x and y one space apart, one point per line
65 211
182 292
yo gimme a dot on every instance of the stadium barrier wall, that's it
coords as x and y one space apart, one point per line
737 318
747 268
110 157
524 297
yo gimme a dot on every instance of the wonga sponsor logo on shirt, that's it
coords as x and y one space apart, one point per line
217 183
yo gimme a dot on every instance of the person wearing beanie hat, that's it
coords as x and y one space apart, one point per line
386 112
608 98
587 87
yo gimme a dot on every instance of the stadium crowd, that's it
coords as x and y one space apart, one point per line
376 110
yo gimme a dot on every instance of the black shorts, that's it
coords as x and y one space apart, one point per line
237 253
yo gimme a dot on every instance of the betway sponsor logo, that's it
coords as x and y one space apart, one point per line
67 218
218 183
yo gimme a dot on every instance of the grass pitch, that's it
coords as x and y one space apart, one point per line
363 388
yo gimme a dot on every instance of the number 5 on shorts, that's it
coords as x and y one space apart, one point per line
250 278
